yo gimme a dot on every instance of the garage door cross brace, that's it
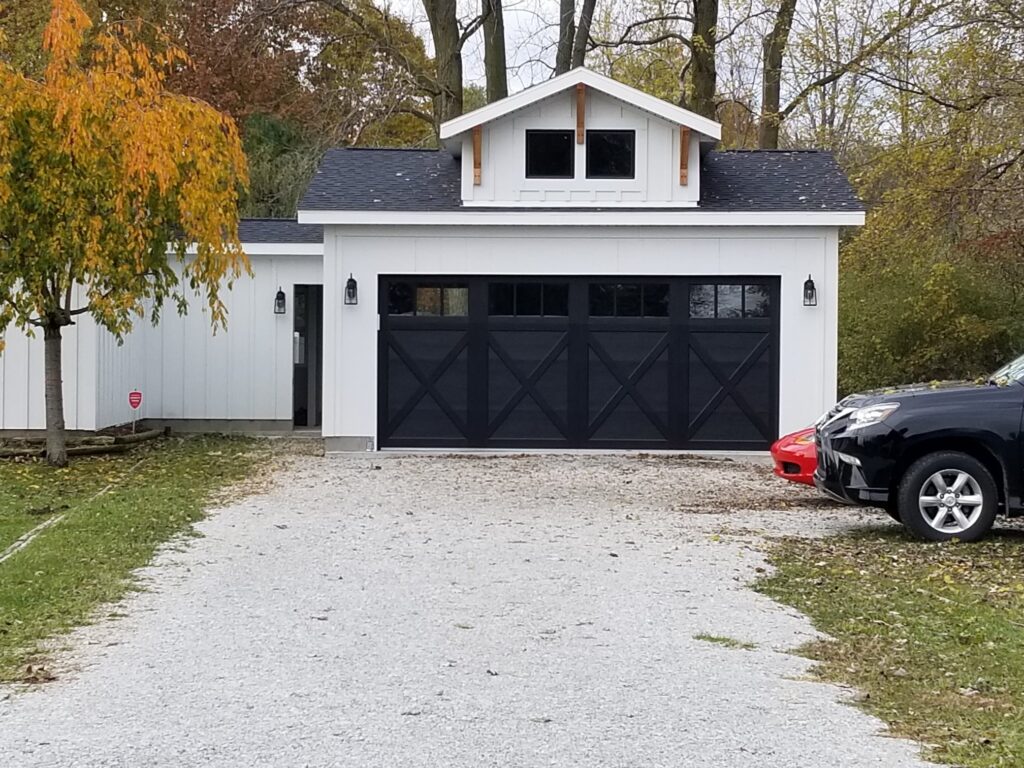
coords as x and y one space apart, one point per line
528 385
627 386
727 385
427 385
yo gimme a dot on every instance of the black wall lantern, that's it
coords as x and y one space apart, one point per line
810 293
351 290
280 303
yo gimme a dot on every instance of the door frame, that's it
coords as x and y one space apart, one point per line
313 295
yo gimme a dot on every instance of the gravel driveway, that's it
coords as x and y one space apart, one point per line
461 611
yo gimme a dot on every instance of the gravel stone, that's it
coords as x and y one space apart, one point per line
458 611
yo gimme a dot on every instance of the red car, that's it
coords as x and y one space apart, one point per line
795 456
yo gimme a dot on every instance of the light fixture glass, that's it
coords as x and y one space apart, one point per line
810 293
351 291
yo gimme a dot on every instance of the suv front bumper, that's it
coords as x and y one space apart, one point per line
850 468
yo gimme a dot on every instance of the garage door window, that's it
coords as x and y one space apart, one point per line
629 300
528 299
728 301
428 300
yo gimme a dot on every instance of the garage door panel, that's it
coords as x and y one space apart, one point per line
727 349
667 362
628 381
727 386
755 396
528 419
728 422
703 385
429 417
427 383
527 381
453 386
629 421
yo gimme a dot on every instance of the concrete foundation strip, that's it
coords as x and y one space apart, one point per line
27 538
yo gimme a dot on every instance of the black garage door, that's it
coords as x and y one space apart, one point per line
571 362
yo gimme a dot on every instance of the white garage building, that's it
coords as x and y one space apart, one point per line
576 268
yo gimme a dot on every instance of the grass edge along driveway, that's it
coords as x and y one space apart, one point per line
931 634
153 493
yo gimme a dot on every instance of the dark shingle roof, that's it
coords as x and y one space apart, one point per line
774 180
430 180
385 180
279 231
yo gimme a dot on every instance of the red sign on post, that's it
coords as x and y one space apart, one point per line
135 399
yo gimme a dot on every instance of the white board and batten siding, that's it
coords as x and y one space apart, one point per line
503 159
22 404
188 370
185 369
808 335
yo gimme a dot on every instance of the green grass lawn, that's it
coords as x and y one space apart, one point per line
15 522
118 510
933 634
30 492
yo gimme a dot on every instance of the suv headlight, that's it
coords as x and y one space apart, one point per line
871 414
835 414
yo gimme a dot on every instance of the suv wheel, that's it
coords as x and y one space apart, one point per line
948 495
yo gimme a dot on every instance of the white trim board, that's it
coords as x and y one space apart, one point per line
273 249
604 205
283 249
687 218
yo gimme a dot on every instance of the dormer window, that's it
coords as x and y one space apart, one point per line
611 154
550 155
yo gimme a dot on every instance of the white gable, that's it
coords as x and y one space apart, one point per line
571 121
452 130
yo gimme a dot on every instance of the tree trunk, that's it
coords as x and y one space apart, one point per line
579 47
495 62
56 439
566 36
771 81
703 75
444 29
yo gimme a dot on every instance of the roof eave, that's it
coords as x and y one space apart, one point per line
605 217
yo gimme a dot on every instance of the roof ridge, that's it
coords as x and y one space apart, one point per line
741 150
383 149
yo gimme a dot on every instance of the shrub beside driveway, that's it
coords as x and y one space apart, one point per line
116 511
932 634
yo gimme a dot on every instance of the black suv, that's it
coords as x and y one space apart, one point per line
941 458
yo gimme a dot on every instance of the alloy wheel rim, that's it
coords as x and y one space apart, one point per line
950 501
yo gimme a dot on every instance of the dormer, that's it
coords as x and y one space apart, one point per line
580 140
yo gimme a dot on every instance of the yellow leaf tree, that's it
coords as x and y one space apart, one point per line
106 180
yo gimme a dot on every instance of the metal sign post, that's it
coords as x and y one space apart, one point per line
135 401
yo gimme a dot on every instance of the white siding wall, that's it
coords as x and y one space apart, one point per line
183 368
808 334
503 162
21 378
186 370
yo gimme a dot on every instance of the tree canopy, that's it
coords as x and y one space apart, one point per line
102 170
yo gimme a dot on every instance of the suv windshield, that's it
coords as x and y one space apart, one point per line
1013 370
